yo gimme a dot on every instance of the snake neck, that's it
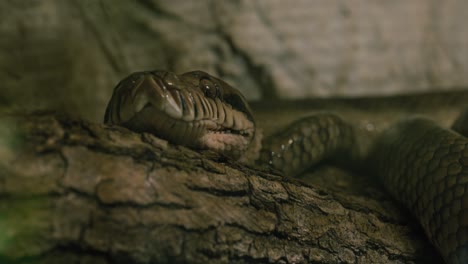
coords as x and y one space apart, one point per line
307 142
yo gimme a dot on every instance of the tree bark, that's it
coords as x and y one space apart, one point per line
78 192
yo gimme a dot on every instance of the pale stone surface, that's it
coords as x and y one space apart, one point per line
69 55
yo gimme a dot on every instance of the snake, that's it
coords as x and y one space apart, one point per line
424 166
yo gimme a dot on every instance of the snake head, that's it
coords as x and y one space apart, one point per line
193 109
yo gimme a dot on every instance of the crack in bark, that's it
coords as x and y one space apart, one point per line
219 192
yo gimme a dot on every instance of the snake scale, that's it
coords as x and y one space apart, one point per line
424 166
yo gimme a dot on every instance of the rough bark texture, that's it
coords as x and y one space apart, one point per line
68 55
79 192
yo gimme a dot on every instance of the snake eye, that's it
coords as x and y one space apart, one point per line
209 88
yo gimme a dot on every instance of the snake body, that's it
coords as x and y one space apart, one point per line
424 166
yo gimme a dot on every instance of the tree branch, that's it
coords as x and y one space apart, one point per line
77 191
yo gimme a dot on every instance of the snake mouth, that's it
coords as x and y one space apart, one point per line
195 110
200 134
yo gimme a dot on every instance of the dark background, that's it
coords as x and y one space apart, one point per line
68 55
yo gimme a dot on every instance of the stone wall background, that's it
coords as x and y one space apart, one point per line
68 55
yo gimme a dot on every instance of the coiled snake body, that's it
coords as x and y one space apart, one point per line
424 166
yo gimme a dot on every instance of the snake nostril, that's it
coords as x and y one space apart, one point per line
171 79
133 78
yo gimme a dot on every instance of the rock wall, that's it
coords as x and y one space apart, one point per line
69 55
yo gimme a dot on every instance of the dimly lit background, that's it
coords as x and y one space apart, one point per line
68 55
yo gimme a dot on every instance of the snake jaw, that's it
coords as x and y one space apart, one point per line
227 139
183 111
